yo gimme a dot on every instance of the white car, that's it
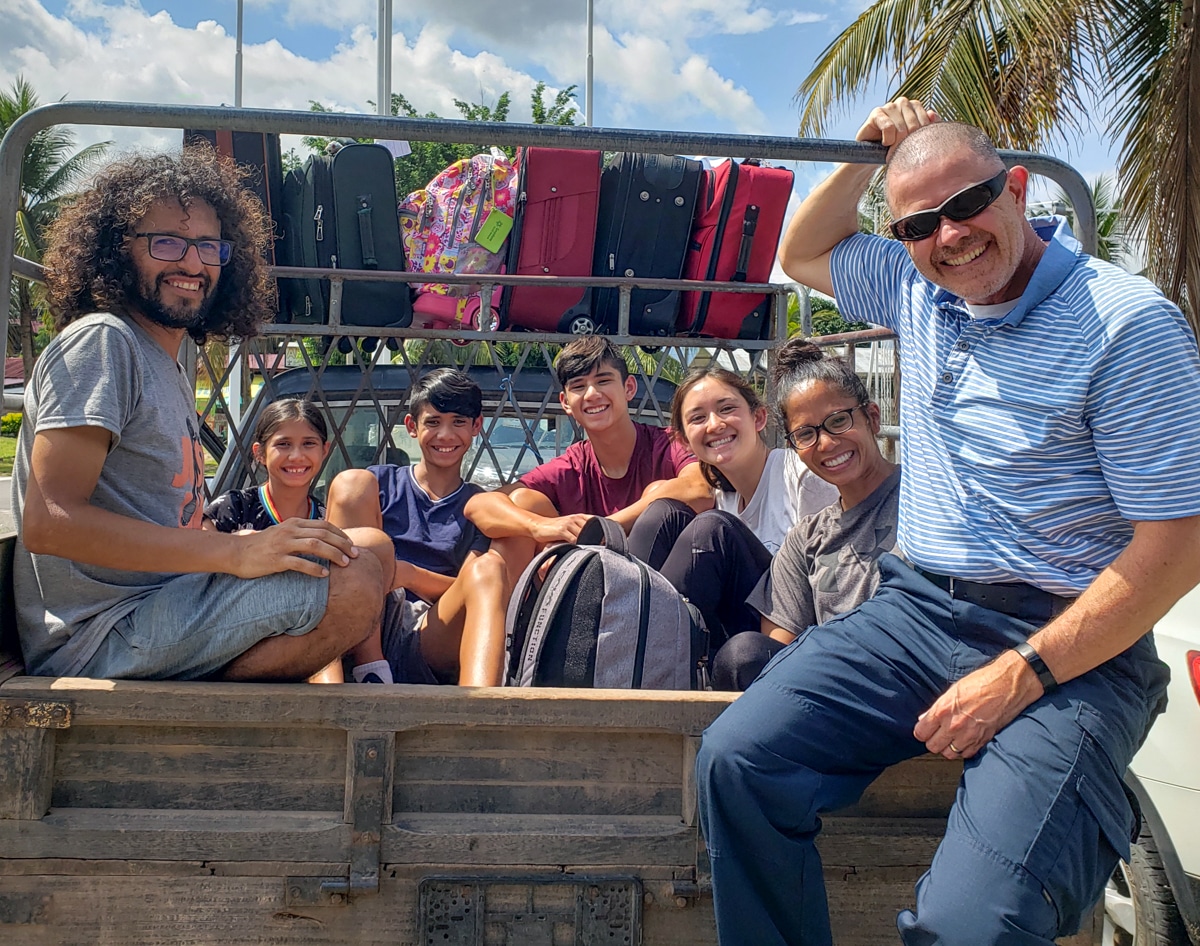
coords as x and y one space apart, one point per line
1155 899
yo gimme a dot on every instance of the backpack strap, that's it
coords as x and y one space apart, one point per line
601 531
639 657
562 573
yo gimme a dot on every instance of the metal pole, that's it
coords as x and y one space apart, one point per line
384 95
237 61
588 86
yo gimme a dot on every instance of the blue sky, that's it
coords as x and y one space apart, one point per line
701 65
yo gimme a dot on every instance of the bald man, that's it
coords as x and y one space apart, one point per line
1049 516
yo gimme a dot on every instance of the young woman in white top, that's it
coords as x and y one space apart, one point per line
717 557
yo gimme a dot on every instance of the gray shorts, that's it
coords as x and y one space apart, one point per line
194 625
403 621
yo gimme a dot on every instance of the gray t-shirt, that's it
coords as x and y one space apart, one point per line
827 566
104 371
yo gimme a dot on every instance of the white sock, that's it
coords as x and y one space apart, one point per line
380 668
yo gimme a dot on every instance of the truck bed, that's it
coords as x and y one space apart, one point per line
218 813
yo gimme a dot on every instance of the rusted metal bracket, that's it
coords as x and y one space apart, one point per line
316 891
35 714
368 799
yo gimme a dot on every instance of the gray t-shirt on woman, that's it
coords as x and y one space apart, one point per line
826 566
104 371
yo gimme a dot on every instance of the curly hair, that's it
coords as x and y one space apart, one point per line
88 264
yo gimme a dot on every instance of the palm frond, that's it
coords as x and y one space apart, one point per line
1159 161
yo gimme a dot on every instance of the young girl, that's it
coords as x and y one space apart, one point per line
716 558
290 443
827 564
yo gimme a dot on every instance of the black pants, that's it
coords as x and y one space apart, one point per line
712 559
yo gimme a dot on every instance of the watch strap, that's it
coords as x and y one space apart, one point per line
1034 659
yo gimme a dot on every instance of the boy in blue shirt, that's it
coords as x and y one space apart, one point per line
444 619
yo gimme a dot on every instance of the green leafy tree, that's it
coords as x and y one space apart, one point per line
49 173
1113 237
561 111
826 319
429 158
1027 72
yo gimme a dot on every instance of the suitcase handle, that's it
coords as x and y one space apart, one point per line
749 225
366 234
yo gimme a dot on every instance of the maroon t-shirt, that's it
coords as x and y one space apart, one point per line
575 483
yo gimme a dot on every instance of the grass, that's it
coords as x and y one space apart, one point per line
8 449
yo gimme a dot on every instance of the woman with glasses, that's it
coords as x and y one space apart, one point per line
716 558
826 565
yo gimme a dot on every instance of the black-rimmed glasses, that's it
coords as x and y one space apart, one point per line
967 203
836 423
169 248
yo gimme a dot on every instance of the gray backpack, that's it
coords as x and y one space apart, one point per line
598 617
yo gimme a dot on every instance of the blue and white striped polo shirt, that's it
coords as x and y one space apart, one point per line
1032 441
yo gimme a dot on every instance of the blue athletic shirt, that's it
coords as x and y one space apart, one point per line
1031 441
431 534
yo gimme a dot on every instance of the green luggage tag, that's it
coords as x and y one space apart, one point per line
495 230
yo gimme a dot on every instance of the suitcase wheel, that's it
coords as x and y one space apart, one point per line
581 325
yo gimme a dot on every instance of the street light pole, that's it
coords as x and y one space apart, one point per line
587 87
384 95
237 61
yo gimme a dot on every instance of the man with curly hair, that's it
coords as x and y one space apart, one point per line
113 575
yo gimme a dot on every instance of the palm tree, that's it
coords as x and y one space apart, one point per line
1113 241
49 173
1028 72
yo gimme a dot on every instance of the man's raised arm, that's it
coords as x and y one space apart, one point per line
830 213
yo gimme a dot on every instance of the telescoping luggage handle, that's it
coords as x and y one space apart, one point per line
366 233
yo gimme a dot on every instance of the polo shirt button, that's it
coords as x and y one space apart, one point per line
947 377
963 346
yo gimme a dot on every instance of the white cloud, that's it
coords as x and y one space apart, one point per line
119 52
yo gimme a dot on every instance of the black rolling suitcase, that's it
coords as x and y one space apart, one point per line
340 212
307 206
647 202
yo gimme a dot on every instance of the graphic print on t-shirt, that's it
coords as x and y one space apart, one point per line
191 478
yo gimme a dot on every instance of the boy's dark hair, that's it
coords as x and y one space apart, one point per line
278 413
447 390
87 259
585 355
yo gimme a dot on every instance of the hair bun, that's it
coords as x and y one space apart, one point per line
792 354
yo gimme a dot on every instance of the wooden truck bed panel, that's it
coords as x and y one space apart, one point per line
210 814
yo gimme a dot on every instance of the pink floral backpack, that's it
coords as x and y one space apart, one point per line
459 222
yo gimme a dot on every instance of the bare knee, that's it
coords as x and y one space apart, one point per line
354 499
532 501
487 572
355 604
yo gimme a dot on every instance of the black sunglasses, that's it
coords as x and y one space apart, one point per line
964 205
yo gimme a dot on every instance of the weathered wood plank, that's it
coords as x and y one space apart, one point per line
923 787
566 798
26 772
114 833
362 707
261 736
250 911
199 793
480 840
164 762
541 754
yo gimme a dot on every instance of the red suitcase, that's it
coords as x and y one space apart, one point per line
554 234
738 221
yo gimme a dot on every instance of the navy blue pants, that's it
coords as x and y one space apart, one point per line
1041 814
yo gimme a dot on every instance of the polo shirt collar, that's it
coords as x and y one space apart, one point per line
1063 251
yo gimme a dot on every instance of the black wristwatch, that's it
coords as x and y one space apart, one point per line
1034 659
